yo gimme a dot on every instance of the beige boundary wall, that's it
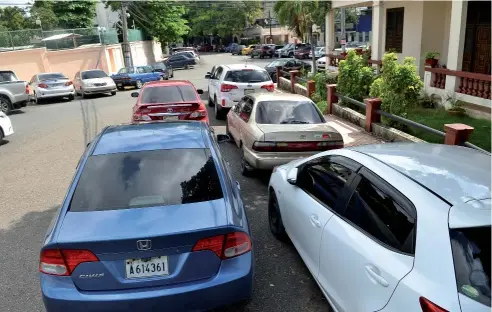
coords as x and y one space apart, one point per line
26 63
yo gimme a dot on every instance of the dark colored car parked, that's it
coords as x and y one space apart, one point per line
264 50
180 61
287 65
302 53
166 70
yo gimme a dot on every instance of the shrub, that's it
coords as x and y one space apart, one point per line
398 86
354 77
321 79
322 106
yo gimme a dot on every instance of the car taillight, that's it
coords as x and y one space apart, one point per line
27 89
141 114
227 87
429 306
43 85
296 146
63 262
198 114
68 83
225 246
269 87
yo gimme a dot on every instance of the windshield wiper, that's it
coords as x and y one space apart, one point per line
294 122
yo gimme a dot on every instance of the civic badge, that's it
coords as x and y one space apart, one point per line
144 244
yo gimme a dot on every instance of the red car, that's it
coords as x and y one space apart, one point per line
169 100
302 53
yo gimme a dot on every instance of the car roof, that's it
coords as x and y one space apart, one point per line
151 136
167 83
454 173
279 97
242 66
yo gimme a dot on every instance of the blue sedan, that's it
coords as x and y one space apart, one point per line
152 221
136 76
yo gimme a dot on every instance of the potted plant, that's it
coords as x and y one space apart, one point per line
455 106
431 58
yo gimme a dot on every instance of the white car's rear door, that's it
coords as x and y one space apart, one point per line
368 248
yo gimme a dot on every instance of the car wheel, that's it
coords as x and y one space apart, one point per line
275 219
246 169
172 74
210 102
84 96
1 136
291 54
120 88
274 78
138 84
186 66
5 105
71 97
218 113
113 92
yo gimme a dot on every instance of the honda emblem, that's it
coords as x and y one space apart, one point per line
144 244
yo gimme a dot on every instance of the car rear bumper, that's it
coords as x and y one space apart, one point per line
97 90
267 161
122 83
44 94
233 283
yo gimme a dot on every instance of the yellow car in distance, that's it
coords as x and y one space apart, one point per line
248 49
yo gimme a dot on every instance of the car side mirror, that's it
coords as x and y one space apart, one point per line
134 94
199 91
223 138
292 176
207 76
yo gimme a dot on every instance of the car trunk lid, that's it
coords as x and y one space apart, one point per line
299 132
168 111
144 237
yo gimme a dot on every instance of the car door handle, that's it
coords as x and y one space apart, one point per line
375 275
315 221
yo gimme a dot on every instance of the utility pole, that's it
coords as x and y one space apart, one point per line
342 28
127 53
270 24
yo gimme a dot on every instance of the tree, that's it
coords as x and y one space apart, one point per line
12 18
43 10
75 14
300 16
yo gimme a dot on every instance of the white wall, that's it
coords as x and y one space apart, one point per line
434 32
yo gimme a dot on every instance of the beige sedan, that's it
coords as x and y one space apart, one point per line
272 129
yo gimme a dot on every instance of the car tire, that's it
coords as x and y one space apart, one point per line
218 113
246 169
210 102
186 66
120 88
71 97
2 136
291 54
113 92
274 78
82 94
138 84
36 99
5 105
275 218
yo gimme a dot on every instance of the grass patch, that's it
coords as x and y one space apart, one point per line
436 118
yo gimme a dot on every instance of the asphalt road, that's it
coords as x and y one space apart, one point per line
38 162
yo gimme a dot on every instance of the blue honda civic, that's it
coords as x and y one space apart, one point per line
152 221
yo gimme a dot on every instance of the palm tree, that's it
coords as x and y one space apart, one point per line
300 16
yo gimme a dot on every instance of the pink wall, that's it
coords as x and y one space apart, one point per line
25 63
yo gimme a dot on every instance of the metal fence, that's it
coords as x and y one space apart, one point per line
62 38
406 122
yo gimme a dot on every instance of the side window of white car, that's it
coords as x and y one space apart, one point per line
382 213
218 73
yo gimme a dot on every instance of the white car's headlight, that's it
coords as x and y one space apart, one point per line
89 85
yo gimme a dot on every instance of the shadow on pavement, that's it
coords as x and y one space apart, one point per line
19 258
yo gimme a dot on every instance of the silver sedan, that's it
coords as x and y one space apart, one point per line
50 86
274 129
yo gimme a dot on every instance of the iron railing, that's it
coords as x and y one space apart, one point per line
299 78
352 101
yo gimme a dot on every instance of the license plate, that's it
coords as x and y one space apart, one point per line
248 91
170 118
154 266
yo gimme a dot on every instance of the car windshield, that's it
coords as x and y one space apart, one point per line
287 112
471 255
51 76
146 179
168 94
247 75
158 65
6 76
127 70
93 74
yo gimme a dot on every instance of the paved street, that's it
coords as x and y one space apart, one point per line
37 165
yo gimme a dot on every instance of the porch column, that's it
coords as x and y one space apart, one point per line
456 44
377 48
330 31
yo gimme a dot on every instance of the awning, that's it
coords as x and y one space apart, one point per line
61 36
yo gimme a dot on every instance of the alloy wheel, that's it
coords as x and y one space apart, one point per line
139 84
4 106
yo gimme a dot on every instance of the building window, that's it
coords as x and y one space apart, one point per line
394 30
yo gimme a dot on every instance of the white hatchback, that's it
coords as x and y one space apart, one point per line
227 84
392 227
6 128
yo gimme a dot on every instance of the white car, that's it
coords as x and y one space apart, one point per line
227 84
50 86
94 81
318 52
6 128
322 62
392 227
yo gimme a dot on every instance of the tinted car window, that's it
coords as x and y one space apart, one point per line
287 112
325 180
6 76
158 65
93 74
51 76
146 179
247 76
471 255
127 70
277 63
376 212
168 94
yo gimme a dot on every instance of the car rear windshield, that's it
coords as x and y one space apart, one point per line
168 94
471 254
7 76
247 75
287 112
146 179
159 65
51 76
93 74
